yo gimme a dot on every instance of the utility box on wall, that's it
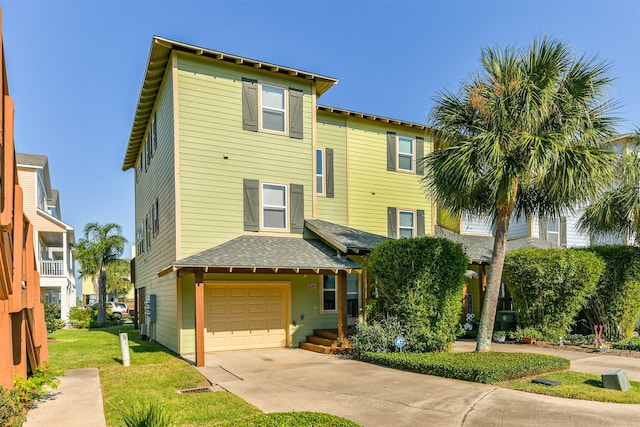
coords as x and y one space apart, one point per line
152 311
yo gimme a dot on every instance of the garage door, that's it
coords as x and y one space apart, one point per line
245 315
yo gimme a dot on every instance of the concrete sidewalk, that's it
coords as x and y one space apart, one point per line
77 402
298 380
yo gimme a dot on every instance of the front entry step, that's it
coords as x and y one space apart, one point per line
326 342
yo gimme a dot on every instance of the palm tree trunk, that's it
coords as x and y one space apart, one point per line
102 309
488 316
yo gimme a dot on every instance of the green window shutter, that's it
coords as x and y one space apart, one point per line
563 231
250 105
543 229
296 128
421 229
391 223
419 155
329 172
251 190
391 151
297 208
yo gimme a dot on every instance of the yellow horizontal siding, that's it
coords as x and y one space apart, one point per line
210 129
331 132
372 189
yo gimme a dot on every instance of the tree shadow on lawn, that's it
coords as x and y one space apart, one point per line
136 343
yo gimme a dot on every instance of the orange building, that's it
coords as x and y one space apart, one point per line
23 333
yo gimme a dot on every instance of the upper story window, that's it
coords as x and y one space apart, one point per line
320 173
406 224
405 154
274 206
273 108
42 195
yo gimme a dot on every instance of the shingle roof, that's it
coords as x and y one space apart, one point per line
31 159
345 239
480 248
267 253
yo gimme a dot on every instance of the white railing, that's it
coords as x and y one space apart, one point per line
52 268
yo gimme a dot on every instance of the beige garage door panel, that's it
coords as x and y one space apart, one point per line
246 315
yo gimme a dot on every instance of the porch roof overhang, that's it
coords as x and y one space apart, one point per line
345 239
266 254
479 249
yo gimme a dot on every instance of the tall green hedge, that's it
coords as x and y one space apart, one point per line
419 283
616 300
551 286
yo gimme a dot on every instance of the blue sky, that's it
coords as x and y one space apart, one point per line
75 68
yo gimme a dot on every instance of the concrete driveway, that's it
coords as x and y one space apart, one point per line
298 380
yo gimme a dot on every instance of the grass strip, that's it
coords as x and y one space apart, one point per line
291 419
577 385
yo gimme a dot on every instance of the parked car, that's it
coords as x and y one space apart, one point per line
117 309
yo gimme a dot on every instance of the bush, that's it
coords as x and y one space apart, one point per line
628 344
489 367
519 333
52 317
80 317
579 339
615 304
419 283
147 415
551 286
15 402
377 336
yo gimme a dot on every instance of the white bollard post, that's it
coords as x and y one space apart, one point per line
124 346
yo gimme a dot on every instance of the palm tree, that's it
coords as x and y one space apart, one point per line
100 246
522 138
617 210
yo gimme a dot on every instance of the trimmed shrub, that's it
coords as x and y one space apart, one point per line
80 317
52 317
419 283
615 304
551 286
377 336
628 344
480 367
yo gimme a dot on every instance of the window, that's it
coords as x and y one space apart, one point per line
272 106
155 219
329 295
405 153
274 206
140 234
319 171
553 230
147 228
406 224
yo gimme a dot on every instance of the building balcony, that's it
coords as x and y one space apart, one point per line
52 268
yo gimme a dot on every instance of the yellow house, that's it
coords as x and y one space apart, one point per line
255 204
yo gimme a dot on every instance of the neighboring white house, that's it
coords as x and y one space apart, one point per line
53 237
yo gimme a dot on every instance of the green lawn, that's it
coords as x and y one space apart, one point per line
154 377
577 385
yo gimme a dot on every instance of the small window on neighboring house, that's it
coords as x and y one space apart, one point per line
553 230
140 233
154 133
273 108
405 154
406 224
155 219
329 293
147 227
320 174
274 206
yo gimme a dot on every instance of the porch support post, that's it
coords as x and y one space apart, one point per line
342 305
199 317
